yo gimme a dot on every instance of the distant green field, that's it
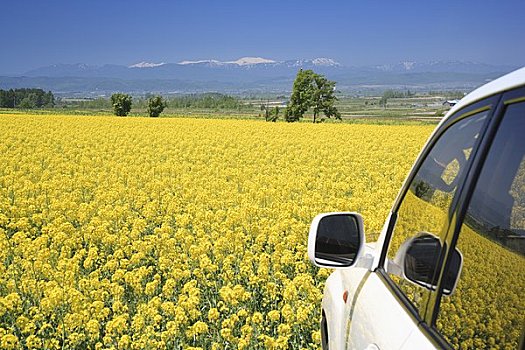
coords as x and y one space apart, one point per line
354 110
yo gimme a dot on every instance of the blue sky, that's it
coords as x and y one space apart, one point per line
38 33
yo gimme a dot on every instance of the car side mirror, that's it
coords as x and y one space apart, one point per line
419 256
336 239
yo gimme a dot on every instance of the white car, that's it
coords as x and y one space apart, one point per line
448 270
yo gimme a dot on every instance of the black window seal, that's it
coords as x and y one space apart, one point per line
477 107
452 221
488 104
515 95
491 102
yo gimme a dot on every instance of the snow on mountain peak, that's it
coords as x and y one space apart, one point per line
323 61
213 62
144 64
244 61
252 61
408 65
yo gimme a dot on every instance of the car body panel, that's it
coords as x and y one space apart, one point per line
375 316
379 318
417 340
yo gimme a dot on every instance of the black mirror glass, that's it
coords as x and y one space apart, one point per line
423 257
421 260
338 240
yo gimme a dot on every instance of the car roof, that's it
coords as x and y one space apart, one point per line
504 83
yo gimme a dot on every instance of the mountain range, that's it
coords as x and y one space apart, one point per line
249 75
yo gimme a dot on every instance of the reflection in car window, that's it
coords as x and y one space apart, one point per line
488 308
426 204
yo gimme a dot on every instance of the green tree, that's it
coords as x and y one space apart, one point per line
121 104
26 98
49 99
311 90
273 115
207 101
27 103
266 110
323 98
383 101
270 114
156 105
301 97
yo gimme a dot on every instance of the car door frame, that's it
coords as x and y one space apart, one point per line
490 103
516 95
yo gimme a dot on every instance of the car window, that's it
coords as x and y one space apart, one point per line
426 204
488 308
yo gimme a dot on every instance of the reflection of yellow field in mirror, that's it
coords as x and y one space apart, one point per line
147 233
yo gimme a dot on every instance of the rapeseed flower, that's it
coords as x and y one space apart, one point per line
136 233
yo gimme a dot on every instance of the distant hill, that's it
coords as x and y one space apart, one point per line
249 75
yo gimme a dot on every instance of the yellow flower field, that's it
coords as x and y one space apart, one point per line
137 233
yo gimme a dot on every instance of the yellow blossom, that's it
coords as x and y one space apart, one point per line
9 341
137 233
213 314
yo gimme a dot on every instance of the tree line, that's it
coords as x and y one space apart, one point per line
310 91
155 105
122 105
26 98
204 101
207 100
388 94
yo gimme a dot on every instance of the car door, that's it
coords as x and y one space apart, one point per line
487 309
388 311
